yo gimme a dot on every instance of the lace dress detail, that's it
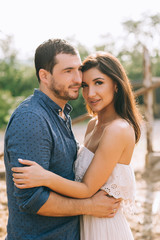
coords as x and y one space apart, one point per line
121 184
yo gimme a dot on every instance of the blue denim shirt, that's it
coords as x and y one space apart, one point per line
37 132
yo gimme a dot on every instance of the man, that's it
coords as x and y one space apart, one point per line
40 130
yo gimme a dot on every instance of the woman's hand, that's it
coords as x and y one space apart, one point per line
28 177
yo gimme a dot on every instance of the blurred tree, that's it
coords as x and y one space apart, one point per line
156 63
16 80
143 31
82 51
7 104
156 73
133 63
108 44
14 77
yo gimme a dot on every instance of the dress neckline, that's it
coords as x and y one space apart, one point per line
126 165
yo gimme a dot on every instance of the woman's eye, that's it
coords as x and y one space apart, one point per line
99 83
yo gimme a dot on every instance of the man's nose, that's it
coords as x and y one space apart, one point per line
78 77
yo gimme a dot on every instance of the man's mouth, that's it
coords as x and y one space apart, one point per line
75 87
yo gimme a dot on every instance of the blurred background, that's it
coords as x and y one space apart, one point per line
119 27
130 30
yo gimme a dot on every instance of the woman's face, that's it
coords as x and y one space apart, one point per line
98 90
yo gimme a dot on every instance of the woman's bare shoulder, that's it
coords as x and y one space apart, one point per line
120 124
120 128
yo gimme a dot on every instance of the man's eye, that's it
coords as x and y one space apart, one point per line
83 85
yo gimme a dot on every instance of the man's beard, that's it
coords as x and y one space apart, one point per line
60 93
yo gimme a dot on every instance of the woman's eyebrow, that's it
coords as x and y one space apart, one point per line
98 78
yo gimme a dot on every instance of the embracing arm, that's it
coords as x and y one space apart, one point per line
97 174
99 206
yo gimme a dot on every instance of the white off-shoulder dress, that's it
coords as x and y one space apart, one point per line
121 184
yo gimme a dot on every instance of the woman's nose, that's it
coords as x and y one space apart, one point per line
91 92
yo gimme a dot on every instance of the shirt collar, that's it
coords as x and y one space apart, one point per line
51 103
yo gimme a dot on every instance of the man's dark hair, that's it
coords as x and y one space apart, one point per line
45 55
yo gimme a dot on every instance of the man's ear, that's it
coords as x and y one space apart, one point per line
43 75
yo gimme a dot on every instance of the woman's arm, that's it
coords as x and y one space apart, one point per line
34 176
110 149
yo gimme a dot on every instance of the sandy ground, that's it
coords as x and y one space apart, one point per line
145 224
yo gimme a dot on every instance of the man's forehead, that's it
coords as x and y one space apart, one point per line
63 58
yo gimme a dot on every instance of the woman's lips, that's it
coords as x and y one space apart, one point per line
94 102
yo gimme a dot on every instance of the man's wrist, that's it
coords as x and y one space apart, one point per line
86 206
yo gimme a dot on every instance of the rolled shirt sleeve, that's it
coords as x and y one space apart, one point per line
29 138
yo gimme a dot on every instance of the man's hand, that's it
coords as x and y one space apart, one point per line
101 205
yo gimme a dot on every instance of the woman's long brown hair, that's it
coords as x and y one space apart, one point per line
124 102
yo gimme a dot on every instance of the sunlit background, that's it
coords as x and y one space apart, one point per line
89 22
119 27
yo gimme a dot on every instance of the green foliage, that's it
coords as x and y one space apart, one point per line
156 73
156 63
17 81
83 51
144 30
133 63
108 45
78 106
7 104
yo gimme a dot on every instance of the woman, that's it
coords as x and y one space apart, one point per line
104 161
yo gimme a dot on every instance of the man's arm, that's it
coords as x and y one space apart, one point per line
27 136
99 205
